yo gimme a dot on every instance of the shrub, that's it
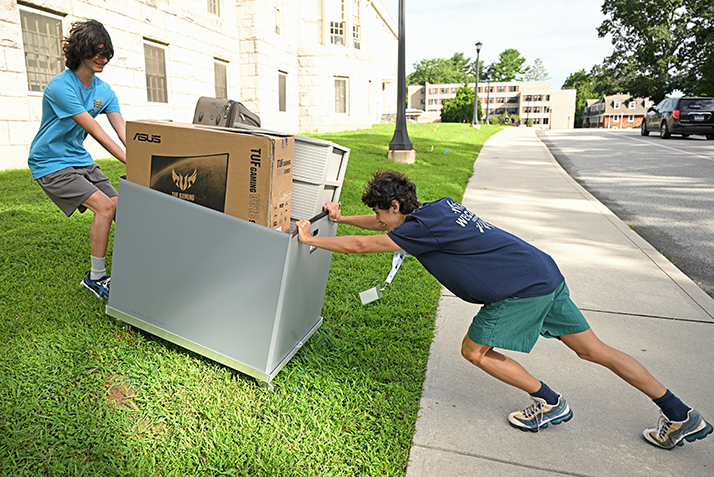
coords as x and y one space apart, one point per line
460 108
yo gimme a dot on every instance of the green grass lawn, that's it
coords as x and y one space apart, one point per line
80 395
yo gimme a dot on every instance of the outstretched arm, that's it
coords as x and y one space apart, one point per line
367 222
348 243
117 122
90 125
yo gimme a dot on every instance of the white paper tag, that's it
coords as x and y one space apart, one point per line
370 295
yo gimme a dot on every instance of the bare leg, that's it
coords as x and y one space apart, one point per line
104 209
590 348
499 366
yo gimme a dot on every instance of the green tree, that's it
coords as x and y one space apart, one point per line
697 79
441 70
461 107
647 36
509 67
537 72
583 83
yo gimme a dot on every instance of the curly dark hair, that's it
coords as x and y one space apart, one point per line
86 40
387 186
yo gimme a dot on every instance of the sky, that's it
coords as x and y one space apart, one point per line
562 33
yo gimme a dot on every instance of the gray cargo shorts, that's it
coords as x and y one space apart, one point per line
70 187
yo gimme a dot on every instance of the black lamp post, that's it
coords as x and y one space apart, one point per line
474 121
401 148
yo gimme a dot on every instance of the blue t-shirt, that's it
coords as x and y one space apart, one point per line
478 262
60 140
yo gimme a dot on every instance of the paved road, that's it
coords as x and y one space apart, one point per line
664 189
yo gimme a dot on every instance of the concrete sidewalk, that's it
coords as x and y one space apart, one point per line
634 299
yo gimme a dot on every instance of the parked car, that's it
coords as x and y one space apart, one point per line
683 116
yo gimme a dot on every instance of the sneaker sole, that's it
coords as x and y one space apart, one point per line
84 285
697 435
555 422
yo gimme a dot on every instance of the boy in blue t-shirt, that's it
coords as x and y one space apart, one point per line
522 291
58 160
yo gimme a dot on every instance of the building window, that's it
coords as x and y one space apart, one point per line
616 118
501 89
220 73
42 42
632 105
278 17
513 89
341 95
337 28
529 97
631 118
356 28
214 7
617 105
155 60
282 91
545 120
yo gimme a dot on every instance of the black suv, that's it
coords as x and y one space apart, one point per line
683 116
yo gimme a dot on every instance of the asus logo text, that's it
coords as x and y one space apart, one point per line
146 138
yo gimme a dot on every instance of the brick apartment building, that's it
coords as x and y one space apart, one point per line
531 100
619 111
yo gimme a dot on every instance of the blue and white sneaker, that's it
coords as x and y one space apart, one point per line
669 434
539 414
98 287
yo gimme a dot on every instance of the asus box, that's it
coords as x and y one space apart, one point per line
241 173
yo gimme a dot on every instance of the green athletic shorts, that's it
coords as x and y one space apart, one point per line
516 323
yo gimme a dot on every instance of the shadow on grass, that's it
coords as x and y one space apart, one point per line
80 395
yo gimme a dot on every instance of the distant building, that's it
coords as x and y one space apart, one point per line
301 65
619 111
531 100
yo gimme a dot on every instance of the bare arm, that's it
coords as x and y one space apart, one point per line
348 243
90 125
367 222
118 124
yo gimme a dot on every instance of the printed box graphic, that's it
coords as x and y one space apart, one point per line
199 179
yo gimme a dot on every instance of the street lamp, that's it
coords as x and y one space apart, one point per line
474 121
401 148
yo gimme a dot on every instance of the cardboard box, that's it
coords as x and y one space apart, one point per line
242 173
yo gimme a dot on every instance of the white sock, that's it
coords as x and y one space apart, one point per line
98 268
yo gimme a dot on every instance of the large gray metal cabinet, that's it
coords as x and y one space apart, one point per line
241 294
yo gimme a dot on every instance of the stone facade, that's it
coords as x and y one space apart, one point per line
261 43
